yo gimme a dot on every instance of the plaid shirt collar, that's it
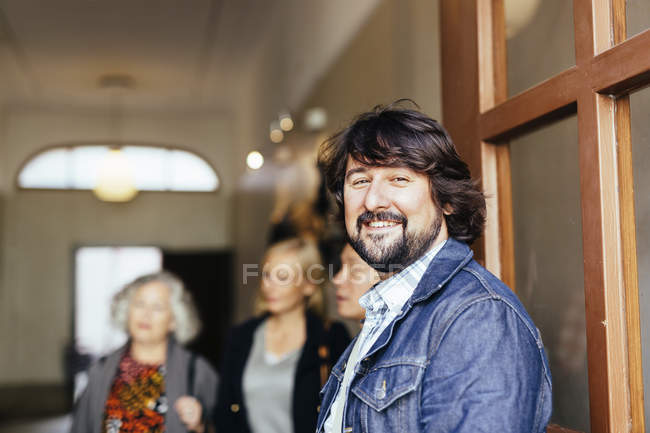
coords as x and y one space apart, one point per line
392 293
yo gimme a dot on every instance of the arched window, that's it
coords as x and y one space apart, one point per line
147 167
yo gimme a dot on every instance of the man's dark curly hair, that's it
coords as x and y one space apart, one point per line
392 136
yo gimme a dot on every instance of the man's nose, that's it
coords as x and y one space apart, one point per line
376 197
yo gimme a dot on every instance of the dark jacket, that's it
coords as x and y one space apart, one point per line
90 408
462 357
231 409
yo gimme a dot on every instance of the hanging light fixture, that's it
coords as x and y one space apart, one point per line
315 119
115 180
254 160
275 132
286 122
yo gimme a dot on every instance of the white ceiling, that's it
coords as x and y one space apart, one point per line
183 54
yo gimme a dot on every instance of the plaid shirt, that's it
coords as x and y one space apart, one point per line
383 304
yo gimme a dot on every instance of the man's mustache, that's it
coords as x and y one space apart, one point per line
369 216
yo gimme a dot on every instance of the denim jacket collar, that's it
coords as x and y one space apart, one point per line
453 256
447 263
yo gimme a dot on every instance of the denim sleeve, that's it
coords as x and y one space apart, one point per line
485 375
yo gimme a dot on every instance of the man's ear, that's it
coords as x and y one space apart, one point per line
447 209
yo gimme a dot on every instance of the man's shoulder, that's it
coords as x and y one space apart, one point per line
474 287
473 280
470 287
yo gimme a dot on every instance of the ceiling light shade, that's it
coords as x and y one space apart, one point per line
254 160
115 180
315 119
275 132
286 122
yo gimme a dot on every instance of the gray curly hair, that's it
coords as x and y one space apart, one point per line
182 305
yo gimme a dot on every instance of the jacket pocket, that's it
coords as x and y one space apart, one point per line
383 385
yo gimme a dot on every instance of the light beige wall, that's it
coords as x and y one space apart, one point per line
41 229
395 55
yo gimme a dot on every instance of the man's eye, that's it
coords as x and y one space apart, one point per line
359 181
400 179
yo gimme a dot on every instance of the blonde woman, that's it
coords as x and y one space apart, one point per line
276 363
151 384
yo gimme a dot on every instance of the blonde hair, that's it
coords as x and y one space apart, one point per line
310 264
186 318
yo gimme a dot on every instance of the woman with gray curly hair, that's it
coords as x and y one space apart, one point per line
133 388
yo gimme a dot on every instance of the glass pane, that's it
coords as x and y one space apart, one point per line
638 16
148 167
47 170
540 41
85 162
191 173
640 109
549 260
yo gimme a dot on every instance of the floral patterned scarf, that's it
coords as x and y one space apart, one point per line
137 401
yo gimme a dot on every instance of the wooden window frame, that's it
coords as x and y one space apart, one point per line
481 118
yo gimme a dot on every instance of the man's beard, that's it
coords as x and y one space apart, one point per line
393 257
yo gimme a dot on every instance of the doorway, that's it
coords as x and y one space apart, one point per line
504 134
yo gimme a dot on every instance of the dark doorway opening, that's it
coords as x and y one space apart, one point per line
208 276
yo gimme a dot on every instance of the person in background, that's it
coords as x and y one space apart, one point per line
151 384
275 364
354 279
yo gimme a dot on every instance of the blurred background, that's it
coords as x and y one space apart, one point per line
125 129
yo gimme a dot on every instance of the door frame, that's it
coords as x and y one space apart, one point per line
481 118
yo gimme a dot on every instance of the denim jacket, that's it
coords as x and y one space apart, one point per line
463 357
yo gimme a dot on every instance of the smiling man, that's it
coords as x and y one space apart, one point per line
445 346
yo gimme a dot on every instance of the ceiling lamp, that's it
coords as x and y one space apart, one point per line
254 160
115 179
286 122
315 119
275 132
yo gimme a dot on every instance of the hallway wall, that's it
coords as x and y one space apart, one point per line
396 55
40 229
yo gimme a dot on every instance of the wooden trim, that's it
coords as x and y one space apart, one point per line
486 75
604 294
619 21
602 245
502 151
499 51
554 428
492 230
608 226
615 71
583 27
547 102
628 236
460 90
621 69
506 220
486 99
629 256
